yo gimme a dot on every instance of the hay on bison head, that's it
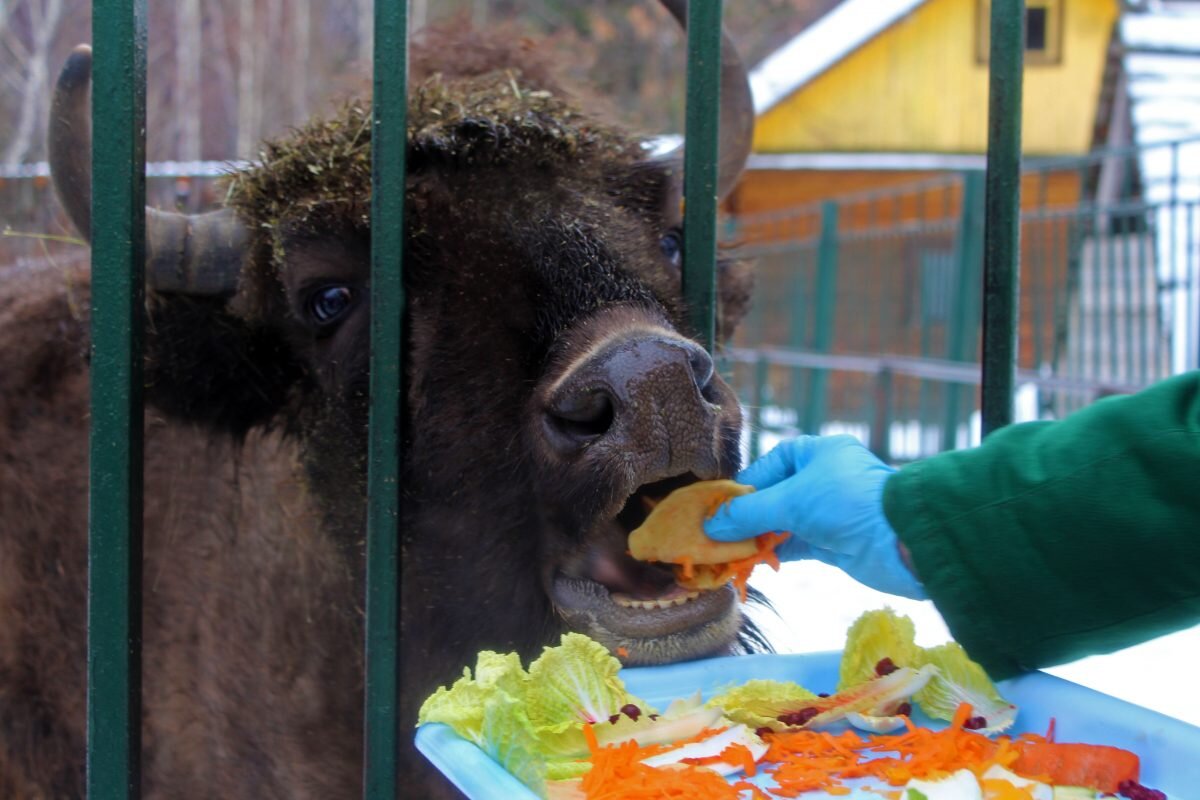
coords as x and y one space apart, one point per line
317 179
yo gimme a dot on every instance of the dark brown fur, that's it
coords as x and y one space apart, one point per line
254 463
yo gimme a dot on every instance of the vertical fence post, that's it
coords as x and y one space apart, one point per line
1002 234
115 488
881 419
382 646
762 377
968 258
826 299
701 152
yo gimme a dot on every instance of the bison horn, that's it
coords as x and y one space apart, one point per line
192 254
737 109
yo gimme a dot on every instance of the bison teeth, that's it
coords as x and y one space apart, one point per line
626 601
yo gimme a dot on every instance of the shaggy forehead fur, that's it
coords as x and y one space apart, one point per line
318 179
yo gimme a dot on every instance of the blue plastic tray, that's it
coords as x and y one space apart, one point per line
1169 749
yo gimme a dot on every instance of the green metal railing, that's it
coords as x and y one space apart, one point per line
383 647
114 610
1002 210
115 491
114 636
1109 299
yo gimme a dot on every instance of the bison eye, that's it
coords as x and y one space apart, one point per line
328 304
672 247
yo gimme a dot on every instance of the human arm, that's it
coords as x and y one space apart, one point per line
1055 540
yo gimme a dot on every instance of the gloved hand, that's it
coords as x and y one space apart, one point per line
828 492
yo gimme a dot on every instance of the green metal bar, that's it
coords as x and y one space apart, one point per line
823 316
799 317
762 375
700 167
1106 296
1125 374
1192 274
1074 288
1097 284
960 342
1042 263
383 651
1143 299
1002 235
114 670
881 419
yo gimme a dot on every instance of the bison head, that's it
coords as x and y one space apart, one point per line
553 389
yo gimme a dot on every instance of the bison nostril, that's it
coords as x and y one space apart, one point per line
702 367
703 371
583 415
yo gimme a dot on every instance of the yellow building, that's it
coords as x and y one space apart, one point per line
884 92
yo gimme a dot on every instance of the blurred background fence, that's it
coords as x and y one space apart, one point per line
867 308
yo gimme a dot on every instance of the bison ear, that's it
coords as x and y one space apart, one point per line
735 285
207 366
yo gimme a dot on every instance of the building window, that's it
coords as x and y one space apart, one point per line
1043 31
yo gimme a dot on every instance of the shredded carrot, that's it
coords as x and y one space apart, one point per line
736 571
623 652
755 792
804 761
618 773
736 754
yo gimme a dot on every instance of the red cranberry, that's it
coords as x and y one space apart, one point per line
823 694
1135 791
905 709
975 723
885 667
763 731
800 717
654 716
631 711
613 719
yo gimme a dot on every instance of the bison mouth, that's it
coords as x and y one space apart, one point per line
634 608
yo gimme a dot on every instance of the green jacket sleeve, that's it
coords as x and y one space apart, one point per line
1056 540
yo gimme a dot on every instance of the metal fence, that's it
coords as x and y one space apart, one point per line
868 310
115 545
118 164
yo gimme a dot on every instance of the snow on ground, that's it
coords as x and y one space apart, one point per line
817 603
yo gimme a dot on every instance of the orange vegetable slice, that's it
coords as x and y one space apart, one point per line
673 532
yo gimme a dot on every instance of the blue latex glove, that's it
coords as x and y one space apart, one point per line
828 492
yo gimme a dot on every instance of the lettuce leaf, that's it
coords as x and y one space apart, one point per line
758 703
684 718
461 707
510 739
576 682
874 636
961 680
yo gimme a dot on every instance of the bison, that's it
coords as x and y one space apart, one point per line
553 386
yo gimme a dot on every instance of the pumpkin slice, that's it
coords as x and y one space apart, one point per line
673 533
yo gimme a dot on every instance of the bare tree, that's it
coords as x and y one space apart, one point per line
33 68
188 46
365 15
248 84
298 75
419 14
